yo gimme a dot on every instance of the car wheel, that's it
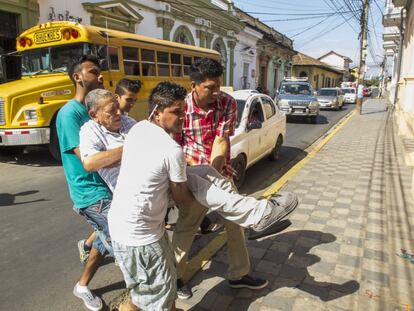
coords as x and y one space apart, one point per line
274 155
239 165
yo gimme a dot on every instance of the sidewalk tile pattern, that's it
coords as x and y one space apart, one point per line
355 215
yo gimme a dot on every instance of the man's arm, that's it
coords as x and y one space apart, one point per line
180 192
221 146
102 159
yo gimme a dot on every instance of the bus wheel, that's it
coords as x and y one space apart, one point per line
12 150
54 143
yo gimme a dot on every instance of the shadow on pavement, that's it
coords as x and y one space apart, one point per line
321 119
7 199
264 173
32 156
292 264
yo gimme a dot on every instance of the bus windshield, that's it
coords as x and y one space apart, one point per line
50 59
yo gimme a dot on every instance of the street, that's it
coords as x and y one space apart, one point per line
39 230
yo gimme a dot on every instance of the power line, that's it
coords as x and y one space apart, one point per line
321 34
311 27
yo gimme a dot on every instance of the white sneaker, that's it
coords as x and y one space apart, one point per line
91 301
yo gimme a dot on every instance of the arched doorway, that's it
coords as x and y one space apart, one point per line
303 74
183 35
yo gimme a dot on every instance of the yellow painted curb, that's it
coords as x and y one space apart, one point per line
204 256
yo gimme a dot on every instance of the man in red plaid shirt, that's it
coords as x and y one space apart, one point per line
210 118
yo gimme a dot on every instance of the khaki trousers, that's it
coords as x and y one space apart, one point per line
216 192
189 219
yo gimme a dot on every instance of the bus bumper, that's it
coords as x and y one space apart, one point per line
19 137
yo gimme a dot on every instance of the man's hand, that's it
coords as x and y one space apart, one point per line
221 146
180 192
109 158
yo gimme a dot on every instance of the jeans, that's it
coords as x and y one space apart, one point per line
97 216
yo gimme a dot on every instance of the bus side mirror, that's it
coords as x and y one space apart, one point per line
10 68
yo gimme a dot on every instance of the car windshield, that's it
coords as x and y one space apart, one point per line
349 91
296 89
50 59
327 92
240 108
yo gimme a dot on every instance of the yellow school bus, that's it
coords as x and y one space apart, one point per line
29 105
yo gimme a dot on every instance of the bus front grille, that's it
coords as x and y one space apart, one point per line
2 113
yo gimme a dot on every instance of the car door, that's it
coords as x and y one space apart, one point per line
269 130
255 137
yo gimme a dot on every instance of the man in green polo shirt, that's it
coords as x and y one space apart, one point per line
89 193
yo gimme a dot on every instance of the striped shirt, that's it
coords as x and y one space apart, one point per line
201 128
95 138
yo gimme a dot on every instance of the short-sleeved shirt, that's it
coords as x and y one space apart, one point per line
85 188
150 160
360 91
201 128
95 138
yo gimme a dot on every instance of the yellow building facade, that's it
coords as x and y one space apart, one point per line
319 74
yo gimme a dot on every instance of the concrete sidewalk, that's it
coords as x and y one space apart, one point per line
343 251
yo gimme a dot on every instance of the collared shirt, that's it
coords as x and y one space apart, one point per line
95 138
201 128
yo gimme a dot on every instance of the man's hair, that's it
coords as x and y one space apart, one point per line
205 68
125 85
76 64
165 94
95 97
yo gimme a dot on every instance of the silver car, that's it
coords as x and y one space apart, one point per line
330 98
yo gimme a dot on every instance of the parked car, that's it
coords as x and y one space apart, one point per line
330 98
350 95
260 131
295 97
367 92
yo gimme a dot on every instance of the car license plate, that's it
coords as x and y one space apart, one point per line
47 36
299 111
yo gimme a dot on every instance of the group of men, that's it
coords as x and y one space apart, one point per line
123 175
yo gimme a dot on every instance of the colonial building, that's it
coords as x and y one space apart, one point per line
319 74
15 16
210 24
274 53
337 61
398 21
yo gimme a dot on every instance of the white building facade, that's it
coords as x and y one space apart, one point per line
205 24
337 61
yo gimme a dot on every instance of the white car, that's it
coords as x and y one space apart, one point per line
350 95
260 131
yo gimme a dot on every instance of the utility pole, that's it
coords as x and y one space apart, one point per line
363 49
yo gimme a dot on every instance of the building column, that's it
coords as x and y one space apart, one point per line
202 36
231 45
209 39
166 24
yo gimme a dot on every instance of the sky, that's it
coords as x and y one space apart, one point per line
319 26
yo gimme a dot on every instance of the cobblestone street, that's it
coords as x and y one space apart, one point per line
344 250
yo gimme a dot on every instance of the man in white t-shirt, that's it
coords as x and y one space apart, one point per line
153 166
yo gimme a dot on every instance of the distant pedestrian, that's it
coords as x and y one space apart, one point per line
360 97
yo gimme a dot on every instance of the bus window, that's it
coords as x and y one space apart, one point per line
148 62
61 56
131 61
176 65
113 58
187 63
163 64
